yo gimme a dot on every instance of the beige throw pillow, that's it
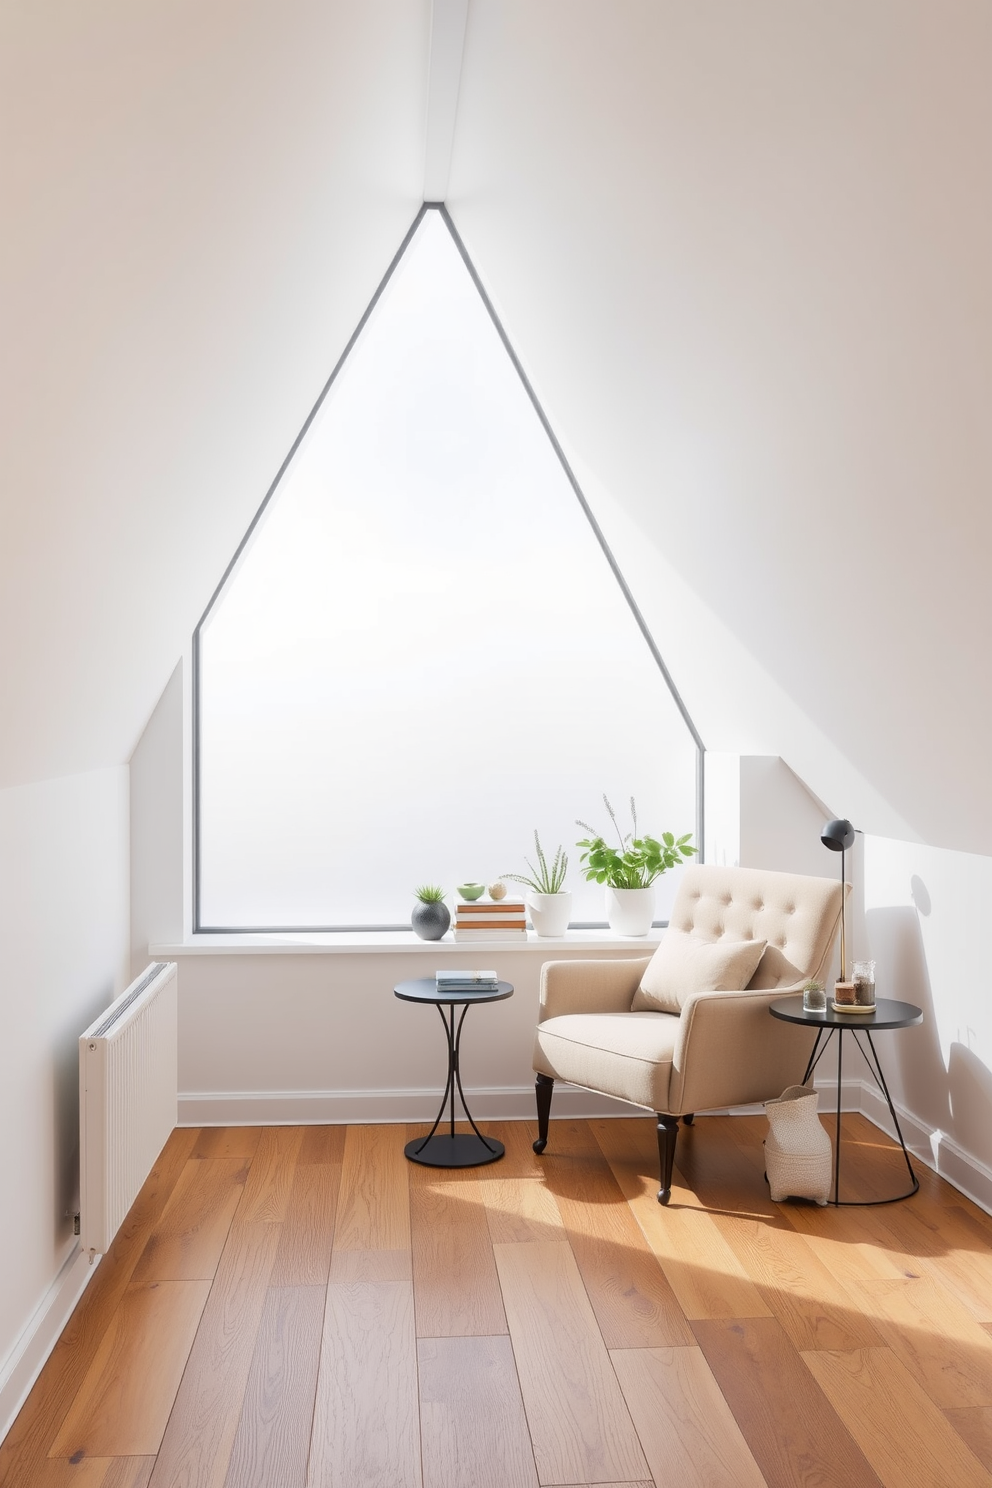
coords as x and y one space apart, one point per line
682 965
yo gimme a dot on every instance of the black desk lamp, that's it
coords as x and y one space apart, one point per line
839 836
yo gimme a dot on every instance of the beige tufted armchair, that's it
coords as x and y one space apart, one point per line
715 1048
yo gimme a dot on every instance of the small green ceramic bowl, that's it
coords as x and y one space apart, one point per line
471 890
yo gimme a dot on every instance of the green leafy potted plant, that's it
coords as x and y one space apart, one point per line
431 917
629 870
550 905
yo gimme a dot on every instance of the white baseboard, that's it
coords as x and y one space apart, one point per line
932 1147
850 1100
516 1103
375 1107
24 1363
928 1145
851 1095
395 1107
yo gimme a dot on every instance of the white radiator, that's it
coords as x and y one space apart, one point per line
127 1100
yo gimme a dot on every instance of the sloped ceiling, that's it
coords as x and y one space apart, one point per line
200 200
743 251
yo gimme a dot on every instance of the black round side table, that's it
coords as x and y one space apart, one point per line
887 1014
451 1149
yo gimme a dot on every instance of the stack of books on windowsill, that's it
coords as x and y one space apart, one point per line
505 919
467 981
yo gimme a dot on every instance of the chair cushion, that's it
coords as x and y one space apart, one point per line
683 964
628 1055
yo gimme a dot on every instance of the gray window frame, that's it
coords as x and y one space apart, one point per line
199 928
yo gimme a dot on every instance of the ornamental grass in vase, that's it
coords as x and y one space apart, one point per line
549 904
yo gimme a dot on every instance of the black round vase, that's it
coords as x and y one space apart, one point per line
430 920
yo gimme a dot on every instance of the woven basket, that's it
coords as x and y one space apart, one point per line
797 1149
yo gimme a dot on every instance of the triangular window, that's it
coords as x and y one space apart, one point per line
420 653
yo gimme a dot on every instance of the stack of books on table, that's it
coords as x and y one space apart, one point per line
505 919
466 981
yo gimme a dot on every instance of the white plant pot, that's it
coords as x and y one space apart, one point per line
550 913
630 911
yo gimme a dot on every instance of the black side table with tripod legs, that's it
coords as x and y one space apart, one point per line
887 1014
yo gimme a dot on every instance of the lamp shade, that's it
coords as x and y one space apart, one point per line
837 835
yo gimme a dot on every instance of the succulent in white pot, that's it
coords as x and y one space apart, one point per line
549 905
630 871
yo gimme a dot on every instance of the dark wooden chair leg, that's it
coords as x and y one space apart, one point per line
688 1118
543 1089
668 1130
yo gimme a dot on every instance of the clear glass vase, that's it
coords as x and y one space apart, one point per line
814 999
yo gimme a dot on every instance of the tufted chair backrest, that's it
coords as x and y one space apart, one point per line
796 915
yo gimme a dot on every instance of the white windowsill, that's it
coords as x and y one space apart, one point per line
394 942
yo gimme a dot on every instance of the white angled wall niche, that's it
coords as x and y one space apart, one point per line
421 653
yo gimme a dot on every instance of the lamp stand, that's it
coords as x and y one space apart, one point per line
838 836
843 917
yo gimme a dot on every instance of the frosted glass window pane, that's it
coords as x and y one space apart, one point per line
423 654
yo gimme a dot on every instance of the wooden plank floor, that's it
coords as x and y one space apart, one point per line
303 1308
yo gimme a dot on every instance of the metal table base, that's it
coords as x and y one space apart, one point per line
451 1149
871 1059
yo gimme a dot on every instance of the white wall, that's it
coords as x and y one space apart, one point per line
157 821
307 1036
759 814
925 913
63 957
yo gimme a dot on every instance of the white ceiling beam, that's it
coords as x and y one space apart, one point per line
448 18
